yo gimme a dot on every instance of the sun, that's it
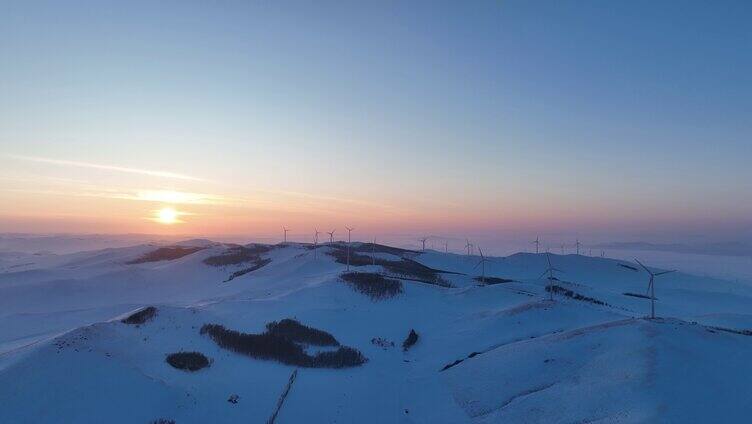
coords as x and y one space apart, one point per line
167 216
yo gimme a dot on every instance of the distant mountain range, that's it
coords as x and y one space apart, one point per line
720 249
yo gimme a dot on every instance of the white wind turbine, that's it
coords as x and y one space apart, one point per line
349 231
315 242
446 247
578 244
482 264
651 286
331 235
536 242
550 271
423 240
285 229
468 246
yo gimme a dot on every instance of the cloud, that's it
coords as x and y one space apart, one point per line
245 197
61 162
177 197
156 196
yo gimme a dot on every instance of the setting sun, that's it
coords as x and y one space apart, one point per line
167 216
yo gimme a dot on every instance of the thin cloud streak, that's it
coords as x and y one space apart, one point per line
324 203
62 162
156 196
177 197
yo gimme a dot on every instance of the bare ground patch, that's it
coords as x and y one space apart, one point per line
140 317
165 254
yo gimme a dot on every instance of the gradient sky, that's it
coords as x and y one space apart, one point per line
609 119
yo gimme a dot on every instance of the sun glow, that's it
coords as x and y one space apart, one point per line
167 216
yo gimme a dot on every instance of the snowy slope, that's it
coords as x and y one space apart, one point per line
485 354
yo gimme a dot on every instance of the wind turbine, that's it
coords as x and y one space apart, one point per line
423 240
482 264
446 247
285 229
651 286
315 242
550 271
331 235
578 244
537 244
468 246
349 230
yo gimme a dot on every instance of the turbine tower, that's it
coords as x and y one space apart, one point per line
423 240
315 242
651 286
550 271
482 264
468 246
446 247
349 231
285 229
537 244
331 235
578 244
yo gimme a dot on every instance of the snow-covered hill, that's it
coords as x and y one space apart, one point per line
485 353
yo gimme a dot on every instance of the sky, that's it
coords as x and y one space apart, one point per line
591 119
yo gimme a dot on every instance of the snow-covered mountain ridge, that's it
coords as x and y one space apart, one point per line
485 353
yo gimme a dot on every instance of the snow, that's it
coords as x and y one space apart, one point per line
485 354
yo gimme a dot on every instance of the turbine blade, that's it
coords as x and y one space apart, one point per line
643 267
664 272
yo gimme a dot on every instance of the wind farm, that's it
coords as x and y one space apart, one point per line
375 212
473 319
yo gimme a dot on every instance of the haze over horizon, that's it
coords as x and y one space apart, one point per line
609 122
